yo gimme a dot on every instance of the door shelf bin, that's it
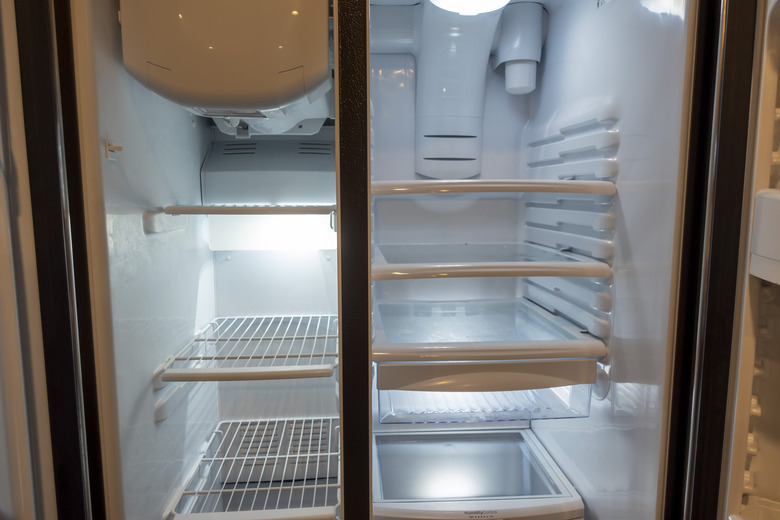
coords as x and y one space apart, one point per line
251 348
407 407
262 470
446 474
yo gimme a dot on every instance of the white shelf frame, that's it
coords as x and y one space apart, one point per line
252 348
248 209
571 265
420 187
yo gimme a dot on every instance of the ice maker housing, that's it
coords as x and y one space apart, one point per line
196 54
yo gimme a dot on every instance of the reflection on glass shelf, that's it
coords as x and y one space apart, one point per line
464 321
447 466
400 406
419 261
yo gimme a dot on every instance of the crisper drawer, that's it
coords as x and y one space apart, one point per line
463 361
453 474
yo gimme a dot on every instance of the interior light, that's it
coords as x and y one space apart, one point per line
670 7
270 232
470 7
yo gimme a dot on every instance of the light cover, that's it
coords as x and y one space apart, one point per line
470 7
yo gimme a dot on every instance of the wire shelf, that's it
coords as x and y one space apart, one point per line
289 466
257 348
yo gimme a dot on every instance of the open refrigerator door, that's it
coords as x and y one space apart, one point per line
752 447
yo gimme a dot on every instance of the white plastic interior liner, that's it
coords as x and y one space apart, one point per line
280 171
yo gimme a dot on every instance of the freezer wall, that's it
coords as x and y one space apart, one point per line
627 60
151 290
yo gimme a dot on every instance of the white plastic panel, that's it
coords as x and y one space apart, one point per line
765 244
303 282
278 171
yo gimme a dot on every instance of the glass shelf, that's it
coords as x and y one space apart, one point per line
415 261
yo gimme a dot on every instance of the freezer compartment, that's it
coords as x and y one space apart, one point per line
265 469
406 407
453 474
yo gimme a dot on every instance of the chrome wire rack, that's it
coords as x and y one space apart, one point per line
256 348
252 469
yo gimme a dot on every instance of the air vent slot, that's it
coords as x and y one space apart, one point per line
450 158
449 136
314 148
240 148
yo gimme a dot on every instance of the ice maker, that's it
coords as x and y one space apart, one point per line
196 54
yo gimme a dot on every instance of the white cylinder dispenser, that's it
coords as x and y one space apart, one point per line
765 247
520 46
451 64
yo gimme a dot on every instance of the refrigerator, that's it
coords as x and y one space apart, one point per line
389 259
751 437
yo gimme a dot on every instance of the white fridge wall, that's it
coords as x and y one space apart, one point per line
628 58
158 288
268 283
